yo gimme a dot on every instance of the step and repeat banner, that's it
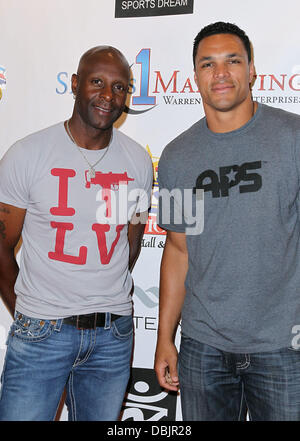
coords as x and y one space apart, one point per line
41 43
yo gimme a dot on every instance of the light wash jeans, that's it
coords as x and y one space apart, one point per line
221 386
43 357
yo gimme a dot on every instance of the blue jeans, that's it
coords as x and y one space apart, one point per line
221 386
45 356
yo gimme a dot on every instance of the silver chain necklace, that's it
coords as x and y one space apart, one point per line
92 171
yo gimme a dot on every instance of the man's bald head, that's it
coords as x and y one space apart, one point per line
108 52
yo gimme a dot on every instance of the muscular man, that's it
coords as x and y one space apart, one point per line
235 285
79 193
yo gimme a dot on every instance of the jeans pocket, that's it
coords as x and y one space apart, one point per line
122 327
31 329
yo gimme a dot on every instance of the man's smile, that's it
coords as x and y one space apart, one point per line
222 88
104 109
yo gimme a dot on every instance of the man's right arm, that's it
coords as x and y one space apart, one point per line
174 266
11 224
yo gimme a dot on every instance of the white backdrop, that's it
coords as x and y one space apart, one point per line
41 43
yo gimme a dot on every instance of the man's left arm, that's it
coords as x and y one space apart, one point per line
135 235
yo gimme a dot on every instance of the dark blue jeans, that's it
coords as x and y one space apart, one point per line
221 386
44 356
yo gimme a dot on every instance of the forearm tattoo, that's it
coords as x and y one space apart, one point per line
2 230
4 210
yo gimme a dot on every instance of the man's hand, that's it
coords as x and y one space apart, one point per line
166 366
174 266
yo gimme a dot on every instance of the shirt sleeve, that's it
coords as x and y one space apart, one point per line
145 193
170 200
13 185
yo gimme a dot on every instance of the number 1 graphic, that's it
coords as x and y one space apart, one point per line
143 58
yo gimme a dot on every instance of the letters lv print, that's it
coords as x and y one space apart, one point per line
64 177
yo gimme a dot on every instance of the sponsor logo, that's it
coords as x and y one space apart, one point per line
273 82
145 400
149 298
152 86
149 87
228 177
145 323
2 80
279 88
150 8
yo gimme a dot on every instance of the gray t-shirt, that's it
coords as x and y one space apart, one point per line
75 251
243 281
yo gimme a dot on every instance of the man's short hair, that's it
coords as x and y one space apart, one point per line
221 27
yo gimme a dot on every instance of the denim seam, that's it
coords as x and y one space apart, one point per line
76 362
29 337
107 324
89 351
17 329
241 402
245 364
91 348
248 410
118 335
58 325
72 409
3 373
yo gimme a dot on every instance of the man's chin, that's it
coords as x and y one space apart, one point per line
224 105
104 123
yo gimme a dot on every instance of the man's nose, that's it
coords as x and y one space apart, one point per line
221 70
107 93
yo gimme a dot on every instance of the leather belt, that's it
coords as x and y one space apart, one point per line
89 321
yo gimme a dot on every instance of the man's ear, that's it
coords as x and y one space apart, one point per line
251 72
74 84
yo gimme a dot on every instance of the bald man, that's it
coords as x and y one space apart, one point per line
78 193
